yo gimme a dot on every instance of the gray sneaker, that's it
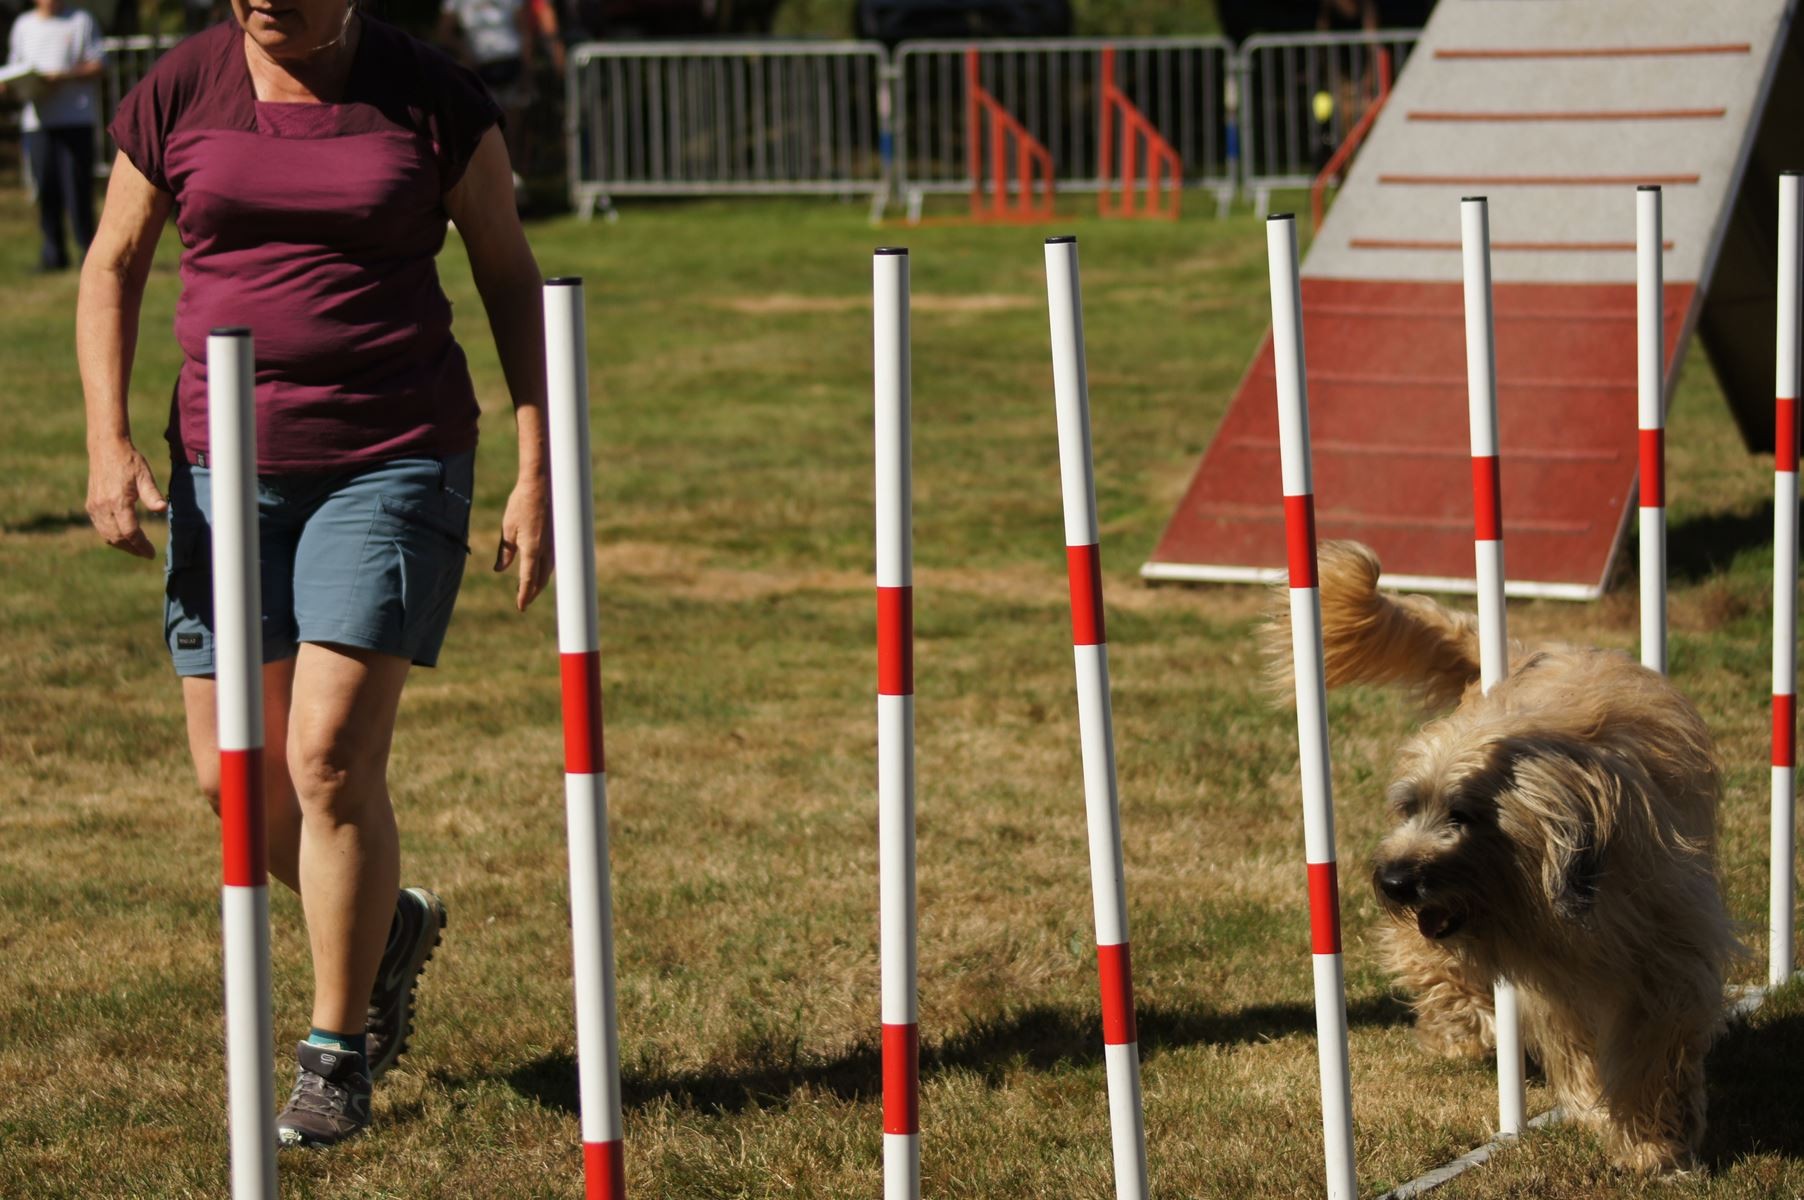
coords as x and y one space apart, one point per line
419 924
330 1101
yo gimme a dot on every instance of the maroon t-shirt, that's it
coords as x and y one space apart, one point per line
316 226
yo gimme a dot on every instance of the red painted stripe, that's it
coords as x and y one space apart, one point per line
582 712
1785 435
901 1079
1299 539
1785 731
1601 51
1324 908
1653 468
1487 499
1397 178
895 641
1083 567
1615 114
244 844
1116 976
604 1171
1382 243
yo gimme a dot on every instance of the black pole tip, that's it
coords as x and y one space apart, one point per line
1783 174
902 250
231 331
565 281
1647 187
1472 200
1281 216
1063 239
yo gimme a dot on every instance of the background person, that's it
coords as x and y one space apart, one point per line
63 46
311 157
494 38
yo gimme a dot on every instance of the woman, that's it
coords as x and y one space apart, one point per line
312 156
62 47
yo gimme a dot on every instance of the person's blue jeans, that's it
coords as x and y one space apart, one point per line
62 162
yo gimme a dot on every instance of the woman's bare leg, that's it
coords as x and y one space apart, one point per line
341 725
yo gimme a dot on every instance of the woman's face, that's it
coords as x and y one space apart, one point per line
292 29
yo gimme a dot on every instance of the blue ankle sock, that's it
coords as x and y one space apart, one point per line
354 1042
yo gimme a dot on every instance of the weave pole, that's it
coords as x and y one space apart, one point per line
244 845
1090 650
1785 585
1493 638
585 769
1312 707
896 728
1650 377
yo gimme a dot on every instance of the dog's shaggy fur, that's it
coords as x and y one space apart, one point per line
1558 832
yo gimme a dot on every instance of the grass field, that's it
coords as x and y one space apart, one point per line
731 351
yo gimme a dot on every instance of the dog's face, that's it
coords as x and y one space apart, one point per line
1438 867
1492 836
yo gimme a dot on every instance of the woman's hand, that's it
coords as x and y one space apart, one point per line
118 478
524 528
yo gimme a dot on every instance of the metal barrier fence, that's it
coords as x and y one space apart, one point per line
723 118
1285 142
1054 88
661 118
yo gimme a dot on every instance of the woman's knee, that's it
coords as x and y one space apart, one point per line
333 775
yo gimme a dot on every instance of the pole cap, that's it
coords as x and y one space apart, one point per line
902 250
231 331
1281 216
1472 200
1063 239
1647 187
565 281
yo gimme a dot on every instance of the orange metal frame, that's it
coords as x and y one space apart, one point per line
1030 197
1344 153
1164 168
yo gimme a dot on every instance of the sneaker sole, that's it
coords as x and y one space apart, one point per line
416 970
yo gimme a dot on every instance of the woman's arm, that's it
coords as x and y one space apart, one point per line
106 338
482 205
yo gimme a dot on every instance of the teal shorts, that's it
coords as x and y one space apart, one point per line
370 558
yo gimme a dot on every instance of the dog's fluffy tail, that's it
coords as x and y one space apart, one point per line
1371 637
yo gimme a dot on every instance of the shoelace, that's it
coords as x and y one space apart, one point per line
315 1093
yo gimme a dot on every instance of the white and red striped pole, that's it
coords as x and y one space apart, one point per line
1090 649
1650 377
896 728
1312 707
585 770
1785 585
1493 637
238 669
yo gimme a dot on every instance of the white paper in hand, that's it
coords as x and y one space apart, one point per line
22 82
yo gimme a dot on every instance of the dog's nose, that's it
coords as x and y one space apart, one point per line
1400 883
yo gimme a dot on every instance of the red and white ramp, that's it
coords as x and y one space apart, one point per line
1556 110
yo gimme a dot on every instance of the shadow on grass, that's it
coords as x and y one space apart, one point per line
52 522
1708 545
1755 1094
1038 1038
46 523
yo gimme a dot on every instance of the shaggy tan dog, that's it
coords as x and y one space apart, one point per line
1558 832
